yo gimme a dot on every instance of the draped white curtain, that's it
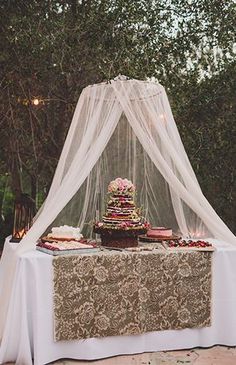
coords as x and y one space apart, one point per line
126 128
123 128
153 124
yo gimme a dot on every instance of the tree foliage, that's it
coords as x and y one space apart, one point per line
52 49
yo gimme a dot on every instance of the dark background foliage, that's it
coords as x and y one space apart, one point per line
52 49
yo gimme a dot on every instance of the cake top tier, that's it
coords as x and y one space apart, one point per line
121 186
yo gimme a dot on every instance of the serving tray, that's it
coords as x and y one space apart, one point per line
188 248
51 240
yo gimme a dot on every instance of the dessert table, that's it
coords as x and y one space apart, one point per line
29 331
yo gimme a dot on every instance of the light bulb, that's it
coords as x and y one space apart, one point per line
35 101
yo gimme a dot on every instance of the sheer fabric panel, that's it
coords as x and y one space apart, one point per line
78 162
150 128
126 129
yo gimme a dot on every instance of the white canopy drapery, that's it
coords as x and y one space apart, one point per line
122 128
126 128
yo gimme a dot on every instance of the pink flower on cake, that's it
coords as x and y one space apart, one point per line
119 182
121 185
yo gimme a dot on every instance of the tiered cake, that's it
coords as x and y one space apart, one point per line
122 223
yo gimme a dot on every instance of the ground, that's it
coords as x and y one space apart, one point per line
217 355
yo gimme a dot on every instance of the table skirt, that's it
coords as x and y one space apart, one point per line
28 331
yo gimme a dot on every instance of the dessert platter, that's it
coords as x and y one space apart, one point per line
172 242
65 240
122 222
193 245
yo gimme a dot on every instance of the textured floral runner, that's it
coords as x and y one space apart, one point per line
118 293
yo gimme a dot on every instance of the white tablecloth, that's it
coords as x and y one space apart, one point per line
29 330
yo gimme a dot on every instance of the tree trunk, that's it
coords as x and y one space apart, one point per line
16 183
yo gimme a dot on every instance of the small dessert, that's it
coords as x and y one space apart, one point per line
122 222
189 244
159 232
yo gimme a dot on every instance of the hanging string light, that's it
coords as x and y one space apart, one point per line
38 101
35 101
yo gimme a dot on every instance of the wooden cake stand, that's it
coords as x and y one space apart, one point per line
145 238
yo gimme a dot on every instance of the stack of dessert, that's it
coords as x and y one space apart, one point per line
122 223
65 240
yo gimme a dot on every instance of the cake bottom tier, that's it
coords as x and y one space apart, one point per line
119 238
119 242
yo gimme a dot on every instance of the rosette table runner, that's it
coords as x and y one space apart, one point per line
119 293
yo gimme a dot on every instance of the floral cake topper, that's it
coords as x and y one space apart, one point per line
121 186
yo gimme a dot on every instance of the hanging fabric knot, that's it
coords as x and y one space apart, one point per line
121 78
